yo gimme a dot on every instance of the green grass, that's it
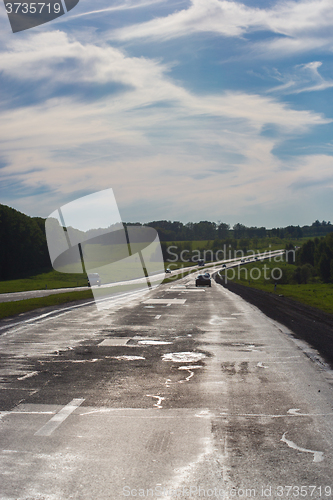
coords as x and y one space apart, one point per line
319 295
50 280
22 306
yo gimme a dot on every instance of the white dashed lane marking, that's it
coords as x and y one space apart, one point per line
165 301
115 341
158 404
261 365
59 418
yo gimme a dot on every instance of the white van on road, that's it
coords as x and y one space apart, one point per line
94 279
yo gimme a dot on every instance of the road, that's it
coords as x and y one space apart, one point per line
182 392
32 294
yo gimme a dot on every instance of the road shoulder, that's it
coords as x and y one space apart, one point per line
307 323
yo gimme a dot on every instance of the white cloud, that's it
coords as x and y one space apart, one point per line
292 17
303 24
145 81
220 16
61 59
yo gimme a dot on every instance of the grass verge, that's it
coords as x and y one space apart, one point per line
319 295
50 280
22 306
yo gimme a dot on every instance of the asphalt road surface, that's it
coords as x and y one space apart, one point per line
182 392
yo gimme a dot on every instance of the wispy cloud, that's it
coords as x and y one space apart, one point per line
121 6
224 17
146 82
304 78
301 25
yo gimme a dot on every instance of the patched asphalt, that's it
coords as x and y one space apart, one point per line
182 387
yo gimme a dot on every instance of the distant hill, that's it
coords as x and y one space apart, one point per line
23 248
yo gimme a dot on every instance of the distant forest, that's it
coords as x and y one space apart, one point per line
315 257
23 248
204 230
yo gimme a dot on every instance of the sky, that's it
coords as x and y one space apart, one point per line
189 110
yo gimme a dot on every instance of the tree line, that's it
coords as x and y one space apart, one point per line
23 248
205 230
315 258
311 263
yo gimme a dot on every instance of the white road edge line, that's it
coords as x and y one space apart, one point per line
59 418
28 375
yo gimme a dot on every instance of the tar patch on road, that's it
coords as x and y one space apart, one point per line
121 374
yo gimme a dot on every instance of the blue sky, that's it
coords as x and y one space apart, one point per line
190 110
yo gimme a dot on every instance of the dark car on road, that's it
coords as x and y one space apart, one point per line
203 280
